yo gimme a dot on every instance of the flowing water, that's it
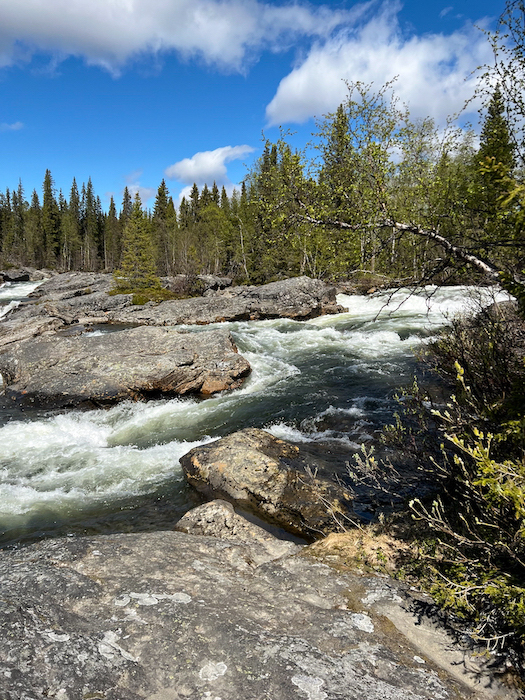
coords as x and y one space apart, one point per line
329 382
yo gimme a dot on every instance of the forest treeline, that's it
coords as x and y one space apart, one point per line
363 195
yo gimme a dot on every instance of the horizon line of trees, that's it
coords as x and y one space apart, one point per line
76 234
383 193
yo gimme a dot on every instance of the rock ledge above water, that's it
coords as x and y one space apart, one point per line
173 616
133 364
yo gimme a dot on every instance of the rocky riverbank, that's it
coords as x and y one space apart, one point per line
238 615
216 607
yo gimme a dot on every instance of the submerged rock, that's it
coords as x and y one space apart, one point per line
270 478
169 615
135 363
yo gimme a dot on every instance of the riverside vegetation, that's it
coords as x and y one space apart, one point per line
443 209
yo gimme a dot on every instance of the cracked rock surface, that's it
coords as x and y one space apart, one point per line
136 363
171 615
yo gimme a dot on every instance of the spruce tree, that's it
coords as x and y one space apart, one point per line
495 139
50 221
215 196
160 229
6 224
206 197
137 271
194 201
112 236
492 182
90 227
127 206
35 232
225 202
70 239
495 158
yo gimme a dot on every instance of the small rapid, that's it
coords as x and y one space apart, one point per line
329 381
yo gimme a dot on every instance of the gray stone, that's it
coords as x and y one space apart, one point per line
135 363
15 275
219 519
270 478
168 615
297 298
83 299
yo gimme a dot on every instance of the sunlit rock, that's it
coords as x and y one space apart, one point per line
137 363
270 478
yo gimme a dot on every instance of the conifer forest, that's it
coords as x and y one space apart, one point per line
374 191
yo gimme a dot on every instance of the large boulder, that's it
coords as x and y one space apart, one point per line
270 478
24 274
15 275
135 363
297 298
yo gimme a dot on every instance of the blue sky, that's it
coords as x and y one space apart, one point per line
128 92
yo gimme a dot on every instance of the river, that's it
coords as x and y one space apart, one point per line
328 382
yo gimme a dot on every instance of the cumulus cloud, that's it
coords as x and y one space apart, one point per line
16 126
433 70
109 33
206 166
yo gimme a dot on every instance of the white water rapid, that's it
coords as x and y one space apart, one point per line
330 380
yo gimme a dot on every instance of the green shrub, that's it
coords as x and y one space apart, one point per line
471 540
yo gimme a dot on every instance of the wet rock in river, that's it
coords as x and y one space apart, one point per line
296 298
270 478
85 295
135 363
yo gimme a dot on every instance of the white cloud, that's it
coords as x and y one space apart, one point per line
445 11
433 70
16 126
207 166
134 186
109 33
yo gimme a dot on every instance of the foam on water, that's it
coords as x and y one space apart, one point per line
327 380
20 290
